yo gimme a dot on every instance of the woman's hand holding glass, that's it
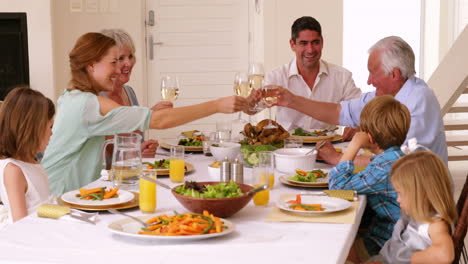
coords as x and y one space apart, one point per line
241 88
169 88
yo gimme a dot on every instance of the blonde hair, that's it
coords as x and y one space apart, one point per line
121 37
424 181
23 120
386 120
88 49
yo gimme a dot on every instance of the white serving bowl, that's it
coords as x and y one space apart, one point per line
225 149
214 173
287 160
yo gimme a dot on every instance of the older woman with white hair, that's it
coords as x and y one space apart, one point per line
123 94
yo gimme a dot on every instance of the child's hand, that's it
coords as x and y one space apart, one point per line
360 139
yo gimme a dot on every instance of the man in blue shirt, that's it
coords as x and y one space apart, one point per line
384 124
391 72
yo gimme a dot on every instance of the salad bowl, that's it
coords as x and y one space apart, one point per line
220 207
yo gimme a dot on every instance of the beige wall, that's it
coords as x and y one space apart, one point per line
68 26
39 41
279 16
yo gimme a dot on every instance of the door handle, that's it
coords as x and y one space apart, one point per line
151 45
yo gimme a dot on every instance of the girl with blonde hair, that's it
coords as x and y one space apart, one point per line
26 118
423 233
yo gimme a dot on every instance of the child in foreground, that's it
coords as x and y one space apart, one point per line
384 123
26 118
423 234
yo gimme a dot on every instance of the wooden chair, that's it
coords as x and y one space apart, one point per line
459 233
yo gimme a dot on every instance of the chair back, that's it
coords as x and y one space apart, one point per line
459 233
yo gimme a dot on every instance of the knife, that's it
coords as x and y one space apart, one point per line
82 218
156 181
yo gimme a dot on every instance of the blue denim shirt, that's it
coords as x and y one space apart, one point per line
374 181
426 120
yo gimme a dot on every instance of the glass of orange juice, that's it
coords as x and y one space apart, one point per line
177 164
147 199
264 173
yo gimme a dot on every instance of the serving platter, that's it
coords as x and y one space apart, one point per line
311 139
129 228
130 204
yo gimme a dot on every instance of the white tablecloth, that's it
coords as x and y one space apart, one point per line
42 240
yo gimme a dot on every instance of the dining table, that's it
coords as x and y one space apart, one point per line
35 239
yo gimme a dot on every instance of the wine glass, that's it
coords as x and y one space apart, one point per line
169 88
269 99
256 76
241 88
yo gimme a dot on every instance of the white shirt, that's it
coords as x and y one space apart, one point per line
333 84
37 192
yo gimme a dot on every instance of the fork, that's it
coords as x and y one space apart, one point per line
132 217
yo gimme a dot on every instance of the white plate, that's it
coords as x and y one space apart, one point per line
70 197
330 204
130 228
318 180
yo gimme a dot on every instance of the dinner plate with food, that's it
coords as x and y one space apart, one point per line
317 178
173 227
310 204
194 144
162 166
315 135
100 196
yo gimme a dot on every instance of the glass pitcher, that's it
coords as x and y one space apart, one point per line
126 159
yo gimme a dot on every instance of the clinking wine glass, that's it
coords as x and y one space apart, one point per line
269 99
169 88
256 77
241 88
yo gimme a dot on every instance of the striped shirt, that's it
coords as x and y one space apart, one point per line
374 182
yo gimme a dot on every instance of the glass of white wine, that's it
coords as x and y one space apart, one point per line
269 99
241 88
256 76
169 88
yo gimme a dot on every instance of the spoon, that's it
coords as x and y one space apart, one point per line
132 217
256 190
316 147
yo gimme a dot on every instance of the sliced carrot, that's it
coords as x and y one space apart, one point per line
84 192
111 193
301 172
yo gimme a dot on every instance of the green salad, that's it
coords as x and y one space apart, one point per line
308 176
220 190
158 164
194 142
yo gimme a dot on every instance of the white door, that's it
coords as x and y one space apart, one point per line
203 42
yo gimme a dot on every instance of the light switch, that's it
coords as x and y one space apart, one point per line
76 5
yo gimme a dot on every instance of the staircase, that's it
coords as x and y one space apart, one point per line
450 84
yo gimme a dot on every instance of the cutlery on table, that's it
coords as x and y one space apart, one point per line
156 181
113 211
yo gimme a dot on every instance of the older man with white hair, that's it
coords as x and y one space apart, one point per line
391 71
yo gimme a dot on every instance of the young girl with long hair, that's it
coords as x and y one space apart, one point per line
26 118
423 233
